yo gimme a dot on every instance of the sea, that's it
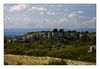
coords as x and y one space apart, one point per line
18 32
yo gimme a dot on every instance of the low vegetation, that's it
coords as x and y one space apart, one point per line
73 49
67 49
57 62
33 60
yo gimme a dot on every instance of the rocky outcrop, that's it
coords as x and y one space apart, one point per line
92 49
55 34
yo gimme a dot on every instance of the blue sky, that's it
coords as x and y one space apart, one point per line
49 16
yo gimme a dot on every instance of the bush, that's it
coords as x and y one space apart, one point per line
36 52
19 63
13 51
5 63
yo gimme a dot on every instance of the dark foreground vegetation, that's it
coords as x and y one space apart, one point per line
75 49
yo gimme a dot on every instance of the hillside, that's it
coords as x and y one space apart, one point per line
80 46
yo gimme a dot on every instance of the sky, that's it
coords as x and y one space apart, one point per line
49 16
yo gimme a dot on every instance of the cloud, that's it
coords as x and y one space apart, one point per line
51 13
80 11
75 17
72 14
91 23
18 7
38 9
42 10
93 20
81 23
42 13
76 20
18 21
75 13
64 22
48 23
72 21
56 21
47 16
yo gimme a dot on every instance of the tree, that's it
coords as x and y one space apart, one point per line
55 30
86 32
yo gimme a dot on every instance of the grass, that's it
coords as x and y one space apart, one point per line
33 60
57 62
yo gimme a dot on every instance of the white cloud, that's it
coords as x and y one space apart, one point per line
93 20
17 21
42 13
63 20
70 23
42 10
80 11
53 23
75 17
46 20
56 21
90 23
38 9
72 14
51 13
18 7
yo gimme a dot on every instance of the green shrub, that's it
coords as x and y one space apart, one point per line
36 52
13 51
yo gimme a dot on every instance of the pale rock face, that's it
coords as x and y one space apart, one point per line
41 35
80 35
61 35
83 36
92 49
9 40
55 35
24 38
74 36
49 35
